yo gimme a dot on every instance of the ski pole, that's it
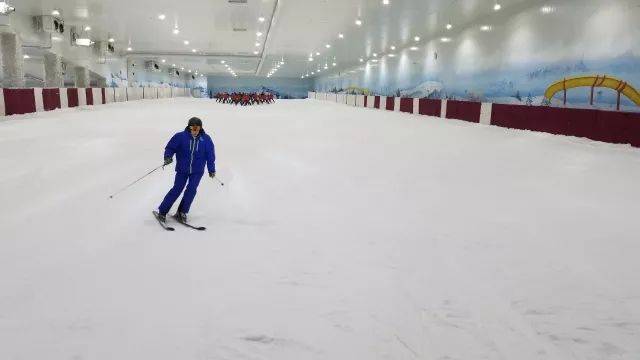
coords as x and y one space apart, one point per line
128 186
221 183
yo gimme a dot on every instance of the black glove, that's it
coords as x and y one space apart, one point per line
212 174
168 161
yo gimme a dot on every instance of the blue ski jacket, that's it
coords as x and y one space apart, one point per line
191 154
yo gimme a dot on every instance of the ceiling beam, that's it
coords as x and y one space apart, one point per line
268 36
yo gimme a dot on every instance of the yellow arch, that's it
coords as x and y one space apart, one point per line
594 81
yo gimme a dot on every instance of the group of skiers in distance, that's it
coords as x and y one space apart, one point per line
244 99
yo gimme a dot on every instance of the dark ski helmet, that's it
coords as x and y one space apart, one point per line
194 121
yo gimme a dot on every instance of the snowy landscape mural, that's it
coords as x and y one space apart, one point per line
516 62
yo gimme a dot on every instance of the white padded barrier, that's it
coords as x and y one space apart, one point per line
97 96
311 95
360 100
149 93
383 103
396 104
64 98
443 108
416 106
82 96
351 100
485 113
334 97
341 98
371 101
110 94
2 107
37 92
120 94
134 93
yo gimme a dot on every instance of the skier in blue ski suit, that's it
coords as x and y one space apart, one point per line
193 149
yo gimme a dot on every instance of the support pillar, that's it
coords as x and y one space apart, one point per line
53 77
12 61
82 77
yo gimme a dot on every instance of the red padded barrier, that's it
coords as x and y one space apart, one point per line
463 110
51 99
19 101
72 97
608 126
365 100
406 105
89 93
376 102
391 101
431 107
104 96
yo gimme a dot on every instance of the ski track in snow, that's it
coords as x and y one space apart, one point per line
340 233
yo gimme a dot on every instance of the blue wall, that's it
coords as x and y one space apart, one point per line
284 88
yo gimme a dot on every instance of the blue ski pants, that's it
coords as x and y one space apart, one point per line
173 194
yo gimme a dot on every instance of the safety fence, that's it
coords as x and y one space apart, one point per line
608 126
30 100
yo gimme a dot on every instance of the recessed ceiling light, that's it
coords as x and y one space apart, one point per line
497 7
174 65
310 58
358 22
189 71
193 50
334 64
374 60
164 61
56 38
256 52
258 34
129 48
222 61
449 26
547 9
87 28
341 36
485 28
25 56
261 19
328 46
257 44
182 68
375 55
385 2
361 60
162 16
186 42
55 12
393 47
391 55
413 48
176 31
416 38
112 40
445 39
317 53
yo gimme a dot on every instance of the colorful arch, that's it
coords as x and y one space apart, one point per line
622 87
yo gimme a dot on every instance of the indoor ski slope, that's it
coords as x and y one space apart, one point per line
341 233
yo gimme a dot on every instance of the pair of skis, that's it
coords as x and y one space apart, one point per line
169 228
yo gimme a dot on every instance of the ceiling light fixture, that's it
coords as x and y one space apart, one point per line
261 19
162 16
176 31
186 42
55 12
334 64
497 7
194 50
391 55
164 61
445 39
416 38
256 52
129 48
317 53
87 28
358 22
257 44
361 60
112 40
485 28
258 34
25 56
328 46
414 48
449 26
222 61
385 2
341 36
393 47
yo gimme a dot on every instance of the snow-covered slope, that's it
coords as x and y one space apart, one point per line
341 233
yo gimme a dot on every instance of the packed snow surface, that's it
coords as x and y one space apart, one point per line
340 233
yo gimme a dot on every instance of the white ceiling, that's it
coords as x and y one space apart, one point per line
292 29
